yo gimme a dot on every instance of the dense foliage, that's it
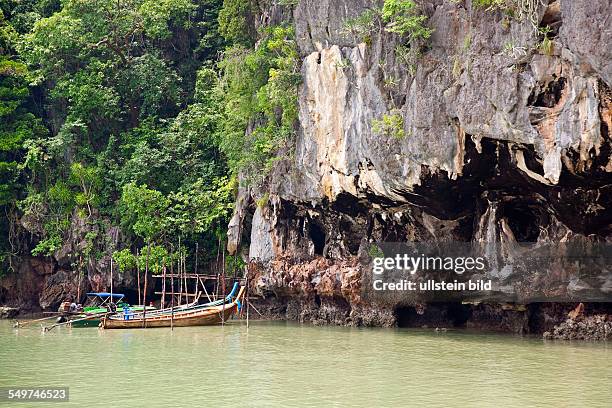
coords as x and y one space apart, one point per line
137 114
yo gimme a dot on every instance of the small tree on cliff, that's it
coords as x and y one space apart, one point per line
144 211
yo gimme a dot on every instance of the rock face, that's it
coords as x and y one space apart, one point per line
597 327
44 282
504 142
8 312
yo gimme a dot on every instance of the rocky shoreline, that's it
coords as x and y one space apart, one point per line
551 321
8 312
548 320
597 327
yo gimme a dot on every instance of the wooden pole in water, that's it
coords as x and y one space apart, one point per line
111 280
185 276
197 281
217 267
79 278
246 282
223 283
172 291
138 275
163 299
172 274
178 272
144 311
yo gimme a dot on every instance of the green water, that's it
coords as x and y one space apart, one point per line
278 364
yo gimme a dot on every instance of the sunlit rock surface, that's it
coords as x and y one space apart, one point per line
504 143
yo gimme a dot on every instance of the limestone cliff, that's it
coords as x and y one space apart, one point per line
504 142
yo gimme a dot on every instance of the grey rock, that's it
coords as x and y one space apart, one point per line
8 312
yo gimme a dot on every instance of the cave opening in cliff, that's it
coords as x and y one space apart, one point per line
318 238
458 314
405 316
549 96
131 296
523 221
436 314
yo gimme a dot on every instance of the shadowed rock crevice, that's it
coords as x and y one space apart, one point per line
548 96
434 315
317 236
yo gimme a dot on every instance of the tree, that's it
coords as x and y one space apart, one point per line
144 211
17 125
235 22
259 88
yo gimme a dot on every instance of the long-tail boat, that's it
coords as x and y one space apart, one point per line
98 304
200 315
133 314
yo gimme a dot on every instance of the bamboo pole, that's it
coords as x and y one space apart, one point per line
223 283
254 308
217 267
179 271
163 299
205 291
19 324
172 297
246 279
144 311
111 279
79 278
184 276
138 275
172 274
197 281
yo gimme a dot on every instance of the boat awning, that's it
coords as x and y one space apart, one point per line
106 295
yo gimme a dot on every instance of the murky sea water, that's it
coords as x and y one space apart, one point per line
285 364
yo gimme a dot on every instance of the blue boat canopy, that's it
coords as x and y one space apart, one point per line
106 294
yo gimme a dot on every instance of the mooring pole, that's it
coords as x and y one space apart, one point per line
172 296
111 280
197 280
138 275
163 299
185 275
144 312
178 272
223 288
79 278
246 282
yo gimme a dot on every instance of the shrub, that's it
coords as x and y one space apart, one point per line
402 17
390 124
546 45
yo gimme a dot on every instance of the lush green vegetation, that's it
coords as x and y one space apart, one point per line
390 124
401 17
134 114
489 4
522 10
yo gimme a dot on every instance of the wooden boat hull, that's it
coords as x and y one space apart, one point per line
203 317
86 323
81 320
